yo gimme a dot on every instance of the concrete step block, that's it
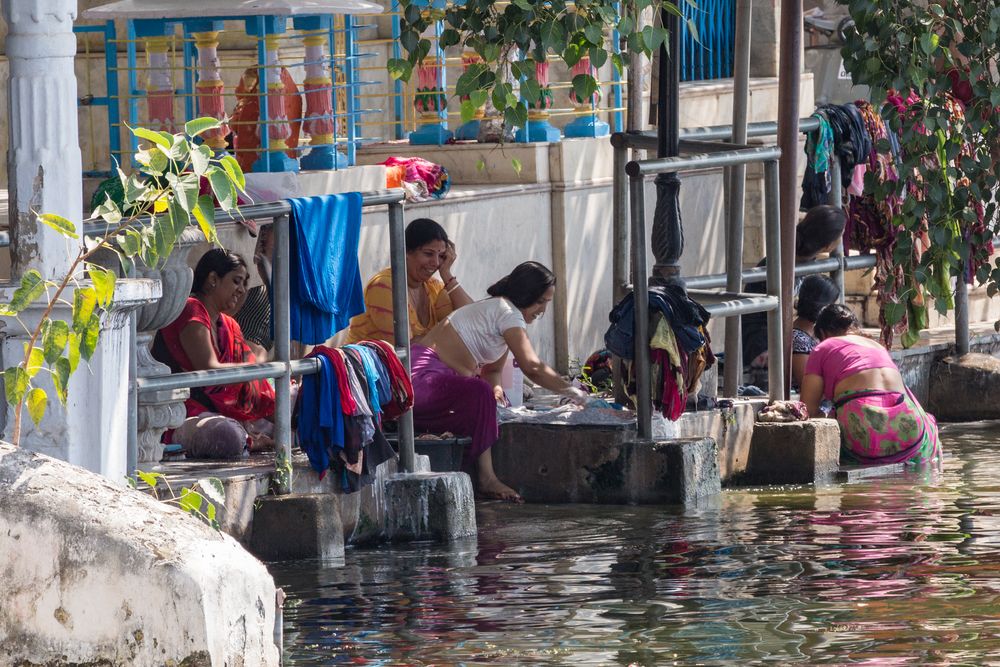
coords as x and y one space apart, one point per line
793 453
550 463
297 526
425 505
856 473
962 388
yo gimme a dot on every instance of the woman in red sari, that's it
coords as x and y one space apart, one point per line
225 420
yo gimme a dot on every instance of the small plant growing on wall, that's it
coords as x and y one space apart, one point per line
511 38
159 201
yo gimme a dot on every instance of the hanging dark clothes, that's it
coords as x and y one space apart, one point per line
684 314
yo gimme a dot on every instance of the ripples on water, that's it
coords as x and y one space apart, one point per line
883 572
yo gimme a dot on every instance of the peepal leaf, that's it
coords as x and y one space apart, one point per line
149 478
32 287
15 381
234 171
73 353
223 188
190 501
60 224
60 378
204 214
54 339
37 401
84 303
104 284
89 337
35 361
193 128
157 138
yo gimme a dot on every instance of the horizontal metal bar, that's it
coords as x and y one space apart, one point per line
759 274
647 140
222 376
703 161
269 210
726 304
701 146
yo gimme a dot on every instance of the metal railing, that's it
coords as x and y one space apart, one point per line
721 304
283 368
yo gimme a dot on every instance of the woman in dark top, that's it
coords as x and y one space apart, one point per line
818 233
815 294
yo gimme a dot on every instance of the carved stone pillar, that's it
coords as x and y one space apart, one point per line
43 158
162 410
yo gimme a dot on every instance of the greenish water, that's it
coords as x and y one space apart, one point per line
884 572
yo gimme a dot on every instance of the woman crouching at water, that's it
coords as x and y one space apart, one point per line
880 420
456 367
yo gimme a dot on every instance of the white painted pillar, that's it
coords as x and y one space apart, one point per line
45 176
43 159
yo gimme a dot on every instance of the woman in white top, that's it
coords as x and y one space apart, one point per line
456 368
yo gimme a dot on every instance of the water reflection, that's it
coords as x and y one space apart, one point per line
893 571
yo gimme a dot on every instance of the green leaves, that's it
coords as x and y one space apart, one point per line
104 284
584 86
55 336
60 224
195 127
15 383
399 69
37 402
32 287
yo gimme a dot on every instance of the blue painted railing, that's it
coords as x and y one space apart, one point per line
707 40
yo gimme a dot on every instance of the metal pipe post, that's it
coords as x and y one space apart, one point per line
775 325
640 273
619 225
789 79
837 199
282 334
961 313
737 197
401 324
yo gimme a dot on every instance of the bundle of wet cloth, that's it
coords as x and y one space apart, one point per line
783 411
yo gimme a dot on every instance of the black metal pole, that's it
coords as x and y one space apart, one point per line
668 230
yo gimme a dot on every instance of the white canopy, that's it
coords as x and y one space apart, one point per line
181 9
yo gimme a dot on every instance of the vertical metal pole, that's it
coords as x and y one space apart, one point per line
282 334
640 272
737 197
789 79
350 63
111 83
397 85
264 131
775 325
961 313
837 199
132 429
619 223
401 323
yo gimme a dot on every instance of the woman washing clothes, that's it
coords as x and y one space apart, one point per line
429 252
815 294
880 420
819 233
456 367
223 421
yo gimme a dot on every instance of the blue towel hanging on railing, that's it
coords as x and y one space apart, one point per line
325 281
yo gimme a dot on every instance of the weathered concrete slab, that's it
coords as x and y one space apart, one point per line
793 453
731 430
297 526
426 505
95 573
961 388
598 464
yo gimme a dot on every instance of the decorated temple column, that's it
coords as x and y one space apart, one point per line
430 101
470 129
588 125
211 101
538 127
276 130
159 85
318 84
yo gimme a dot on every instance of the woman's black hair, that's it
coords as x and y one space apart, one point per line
821 227
422 231
525 285
815 293
217 260
835 320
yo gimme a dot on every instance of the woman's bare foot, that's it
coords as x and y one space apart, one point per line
494 489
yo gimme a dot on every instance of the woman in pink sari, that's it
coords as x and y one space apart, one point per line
225 420
880 419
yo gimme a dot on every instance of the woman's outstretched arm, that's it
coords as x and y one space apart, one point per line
537 370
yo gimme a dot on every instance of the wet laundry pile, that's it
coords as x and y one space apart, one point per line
679 346
340 410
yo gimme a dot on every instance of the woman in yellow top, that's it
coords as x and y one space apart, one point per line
431 299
